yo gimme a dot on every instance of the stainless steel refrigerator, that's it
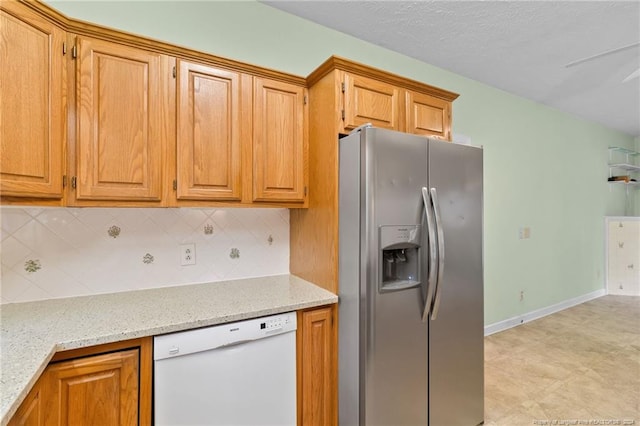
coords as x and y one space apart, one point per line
410 280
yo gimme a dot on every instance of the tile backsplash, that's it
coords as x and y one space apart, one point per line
62 252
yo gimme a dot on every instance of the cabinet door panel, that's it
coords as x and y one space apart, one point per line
98 390
370 101
31 104
279 142
31 412
120 114
209 157
317 387
427 115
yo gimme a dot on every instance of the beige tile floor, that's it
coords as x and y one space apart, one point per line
579 366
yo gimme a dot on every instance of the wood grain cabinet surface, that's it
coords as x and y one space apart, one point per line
370 101
317 381
32 410
209 162
391 106
32 75
93 388
427 115
129 121
97 390
279 142
121 111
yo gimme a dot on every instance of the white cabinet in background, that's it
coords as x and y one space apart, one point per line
623 255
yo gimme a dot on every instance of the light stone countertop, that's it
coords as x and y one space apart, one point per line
32 332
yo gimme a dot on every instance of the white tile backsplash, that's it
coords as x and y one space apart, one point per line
77 256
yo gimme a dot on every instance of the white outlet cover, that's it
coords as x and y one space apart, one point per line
187 254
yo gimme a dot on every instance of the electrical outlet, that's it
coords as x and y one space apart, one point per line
187 254
521 295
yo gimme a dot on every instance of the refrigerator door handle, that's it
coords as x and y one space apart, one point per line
439 230
433 249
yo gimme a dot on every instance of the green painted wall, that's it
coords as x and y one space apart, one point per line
543 168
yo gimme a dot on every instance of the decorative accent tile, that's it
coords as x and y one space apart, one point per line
78 257
114 231
32 265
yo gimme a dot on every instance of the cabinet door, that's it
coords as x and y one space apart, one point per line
428 116
97 390
31 411
316 355
280 150
31 104
370 101
209 153
121 113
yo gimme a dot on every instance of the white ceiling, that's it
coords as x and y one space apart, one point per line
521 47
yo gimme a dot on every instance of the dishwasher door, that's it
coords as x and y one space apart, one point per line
241 373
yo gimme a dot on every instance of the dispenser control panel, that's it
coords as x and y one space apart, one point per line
399 235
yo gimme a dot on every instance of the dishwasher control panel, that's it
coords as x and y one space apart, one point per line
275 323
222 335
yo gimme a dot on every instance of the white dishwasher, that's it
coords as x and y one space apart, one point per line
241 373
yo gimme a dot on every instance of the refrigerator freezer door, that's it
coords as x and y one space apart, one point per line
395 367
456 351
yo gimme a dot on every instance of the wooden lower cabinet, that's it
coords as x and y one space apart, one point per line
31 412
317 367
100 389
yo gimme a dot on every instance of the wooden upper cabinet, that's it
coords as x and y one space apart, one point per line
209 164
32 130
427 115
97 390
121 112
370 101
280 151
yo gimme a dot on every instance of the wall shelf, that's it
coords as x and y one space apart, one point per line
624 162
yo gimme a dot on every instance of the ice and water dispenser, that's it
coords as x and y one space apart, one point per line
400 257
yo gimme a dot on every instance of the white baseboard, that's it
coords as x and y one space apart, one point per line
542 312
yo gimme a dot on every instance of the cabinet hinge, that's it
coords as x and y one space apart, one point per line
74 52
64 48
175 184
304 100
343 87
74 182
64 181
174 72
305 191
342 114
